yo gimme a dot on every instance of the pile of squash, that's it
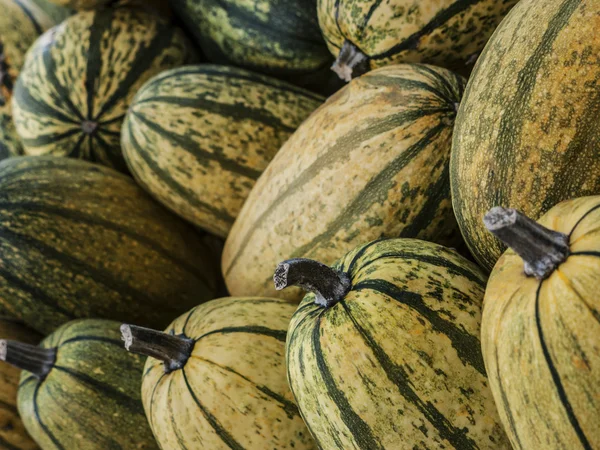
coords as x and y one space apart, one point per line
299 224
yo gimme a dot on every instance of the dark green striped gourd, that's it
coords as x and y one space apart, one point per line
79 78
384 351
197 137
82 240
80 389
371 162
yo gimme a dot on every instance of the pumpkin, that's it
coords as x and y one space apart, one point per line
80 389
371 162
21 22
526 133
384 350
541 322
81 240
367 34
216 378
79 78
197 138
12 431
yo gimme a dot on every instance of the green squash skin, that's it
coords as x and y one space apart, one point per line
91 399
80 240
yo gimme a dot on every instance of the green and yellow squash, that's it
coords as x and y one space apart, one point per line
527 130
13 435
384 351
197 137
80 389
79 78
367 34
541 322
216 379
82 240
21 22
161 6
371 162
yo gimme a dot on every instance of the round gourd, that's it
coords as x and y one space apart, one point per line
371 162
367 34
12 431
81 240
80 389
197 138
79 78
216 379
384 352
526 133
541 322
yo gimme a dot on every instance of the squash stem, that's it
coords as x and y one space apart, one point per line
37 360
328 285
542 249
173 350
351 62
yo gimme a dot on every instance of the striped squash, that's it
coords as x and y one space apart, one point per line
217 380
541 323
367 34
197 138
21 22
13 435
384 352
79 78
527 131
81 240
80 389
371 162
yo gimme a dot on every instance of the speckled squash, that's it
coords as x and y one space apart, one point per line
79 78
394 360
13 435
21 22
229 391
540 336
81 240
371 162
197 138
527 131
447 33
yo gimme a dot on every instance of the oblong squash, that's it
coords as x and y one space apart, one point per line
197 138
385 353
539 332
371 162
81 240
527 132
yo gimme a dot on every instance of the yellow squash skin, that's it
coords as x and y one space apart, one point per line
396 364
13 435
371 162
540 338
232 393
527 130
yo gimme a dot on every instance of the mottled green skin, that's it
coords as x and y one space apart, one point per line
81 240
91 399
79 78
527 132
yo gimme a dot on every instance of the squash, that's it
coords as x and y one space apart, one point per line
526 133
12 432
384 351
79 78
371 162
197 138
80 389
160 6
81 240
21 22
541 322
216 378
367 34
